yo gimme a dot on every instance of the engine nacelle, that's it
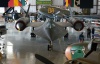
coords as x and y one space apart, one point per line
22 23
78 25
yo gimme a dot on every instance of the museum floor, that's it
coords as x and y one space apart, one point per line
20 48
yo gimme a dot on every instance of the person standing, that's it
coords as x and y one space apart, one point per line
93 31
89 33
81 38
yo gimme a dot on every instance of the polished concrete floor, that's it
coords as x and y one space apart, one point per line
20 48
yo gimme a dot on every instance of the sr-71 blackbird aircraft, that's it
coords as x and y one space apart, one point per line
49 29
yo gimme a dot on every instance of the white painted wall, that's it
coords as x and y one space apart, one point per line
93 10
17 8
99 7
57 2
32 2
2 10
31 10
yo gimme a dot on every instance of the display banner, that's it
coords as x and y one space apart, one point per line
13 3
77 3
86 3
43 2
68 2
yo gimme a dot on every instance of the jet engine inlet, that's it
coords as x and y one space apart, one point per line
20 25
78 25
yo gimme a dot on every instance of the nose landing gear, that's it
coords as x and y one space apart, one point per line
50 47
32 34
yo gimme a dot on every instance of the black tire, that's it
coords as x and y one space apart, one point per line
33 35
50 47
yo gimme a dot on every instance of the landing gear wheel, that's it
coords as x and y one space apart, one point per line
0 56
50 47
33 35
66 35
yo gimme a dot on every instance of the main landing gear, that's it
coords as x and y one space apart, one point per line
33 35
66 34
50 47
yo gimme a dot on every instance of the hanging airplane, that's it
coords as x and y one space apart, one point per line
52 12
11 4
84 53
10 13
59 13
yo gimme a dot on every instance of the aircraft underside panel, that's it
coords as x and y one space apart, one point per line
50 31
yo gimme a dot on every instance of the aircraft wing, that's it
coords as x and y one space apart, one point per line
35 24
50 31
64 24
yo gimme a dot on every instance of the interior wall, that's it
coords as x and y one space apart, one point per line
32 2
57 2
32 7
2 10
94 9
98 6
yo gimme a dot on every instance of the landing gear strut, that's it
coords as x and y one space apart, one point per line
32 34
50 47
66 34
